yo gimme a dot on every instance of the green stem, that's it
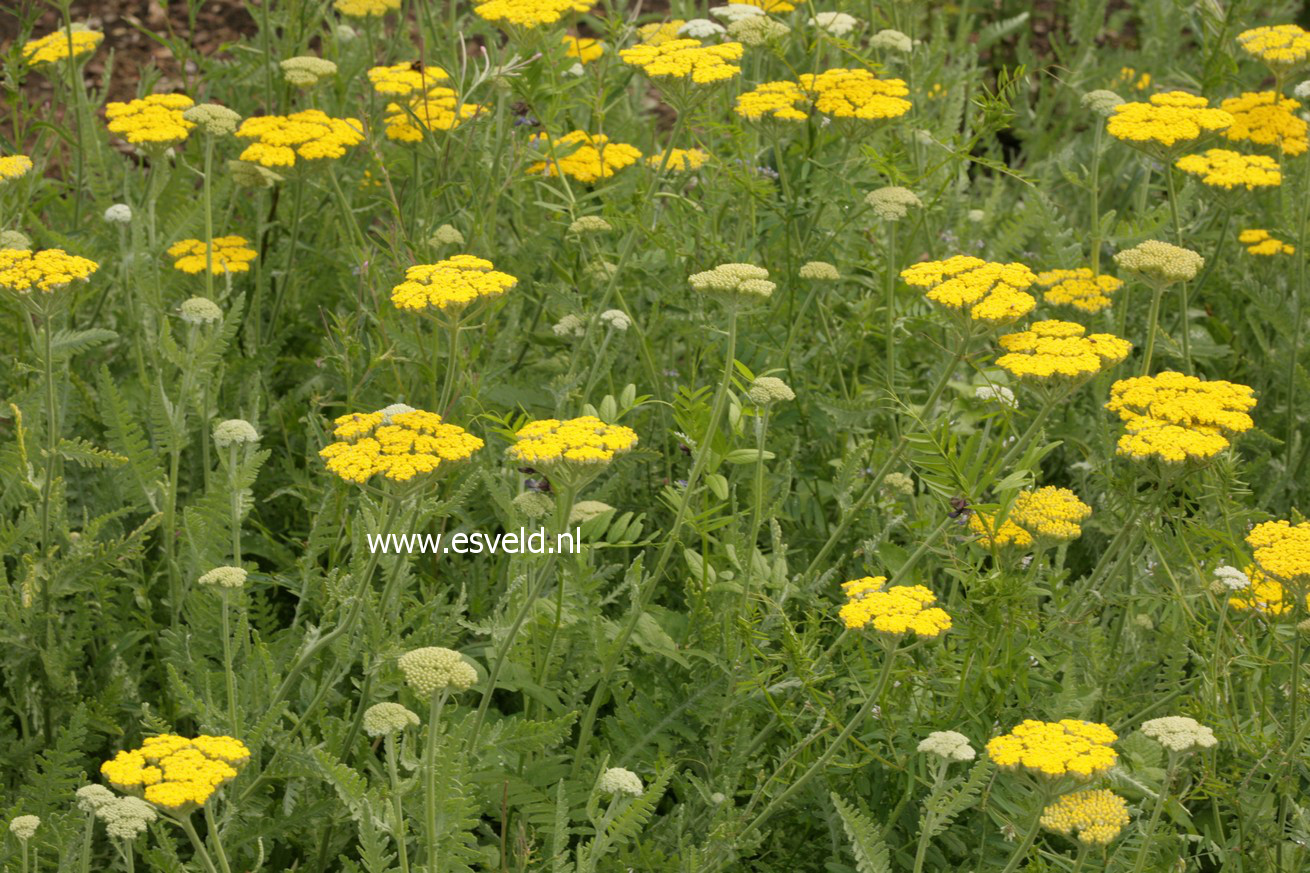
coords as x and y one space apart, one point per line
890 303
1094 184
190 830
233 718
1021 850
209 218
433 817
452 368
1144 851
212 825
1152 324
397 803
233 482
1178 235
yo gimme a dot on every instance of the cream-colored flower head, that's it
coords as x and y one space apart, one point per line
819 271
768 390
569 325
899 483
127 818
388 719
433 668
200 310
224 577
736 12
757 30
892 40
589 224
735 280
24 826
618 781
948 745
838 24
92 797
586 510
534 504
1160 262
446 235
616 318
893 202
213 119
119 213
1102 102
234 432
701 28
1178 733
1231 578
13 239
306 71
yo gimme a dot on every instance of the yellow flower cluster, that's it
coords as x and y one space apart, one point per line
777 100
680 160
1168 119
55 46
1078 288
1069 747
1174 417
1222 168
992 537
660 32
991 292
840 93
438 109
1259 242
585 48
1050 512
685 59
586 440
896 610
1094 817
529 13
402 79
451 284
230 254
155 120
1269 119
1265 595
588 157
1058 350
13 166
1282 550
176 773
365 8
398 445
310 134
46 270
1281 46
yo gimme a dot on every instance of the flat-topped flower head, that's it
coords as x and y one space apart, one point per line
1259 242
586 49
1058 350
990 292
1050 513
1282 47
685 59
733 12
224 577
175 773
74 42
1069 747
1160 262
658 32
819 271
897 610
757 30
679 160
388 719
402 80
892 202
310 135
395 445
948 745
1003 536
768 390
583 156
619 782
1079 288
234 432
46 270
1178 733
586 441
778 101
1174 418
306 71
226 254
14 166
1102 102
1282 550
213 119
154 122
1174 118
200 311
1222 168
529 13
1093 818
450 285
126 818
437 109
734 281
92 797
838 24
857 94
433 669
365 8
1263 594
1269 119
24 827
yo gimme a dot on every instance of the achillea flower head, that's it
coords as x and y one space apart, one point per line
1178 733
990 536
365 8
819 271
616 319
586 441
1175 418
14 166
855 94
679 160
1170 119
234 432
1222 168
1262 594
589 224
990 292
685 59
948 745
757 30
1259 242
127 818
892 203
837 24
737 11
176 773
1050 513
46 270
396 446
1282 550
224 577
306 71
310 135
892 40
1269 119
777 101
76 41
1078 288
998 394
14 239
1094 818
213 119
585 48
1069 747
1052 350
1283 47
437 109
696 28
402 80
226 254
586 510
1160 262
583 156
1232 578
446 235
433 669
898 483
768 390
529 13
92 797
1128 76
569 325
894 611
618 781
24 826
200 310
450 285
658 32
534 504
1102 102
155 121
248 175
744 281
388 719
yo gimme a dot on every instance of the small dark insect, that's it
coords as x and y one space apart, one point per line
417 66
542 485
527 471
684 448
959 508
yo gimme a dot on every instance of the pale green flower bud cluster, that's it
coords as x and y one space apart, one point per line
949 745
746 280
119 213
819 271
757 30
248 175
616 318
388 719
1102 102
24 826
534 504
126 818
767 390
1160 262
224 577
892 40
836 23
12 239
618 781
569 325
91 797
390 411
234 432
1178 733
590 224
432 669
893 202
446 235
213 119
736 12
200 310
307 71
898 483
